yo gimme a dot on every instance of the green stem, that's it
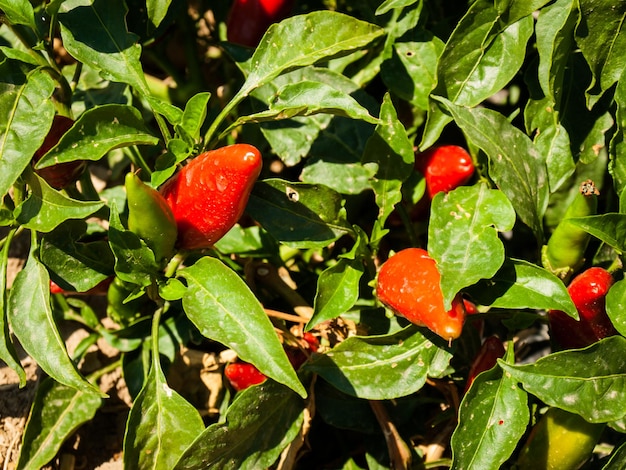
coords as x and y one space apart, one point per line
408 224
156 320
238 98
137 158
105 370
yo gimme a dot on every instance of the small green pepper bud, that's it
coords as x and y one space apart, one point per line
150 217
564 253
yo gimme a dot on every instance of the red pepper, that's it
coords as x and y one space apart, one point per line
62 174
249 19
210 193
588 292
444 168
99 289
491 350
242 375
409 284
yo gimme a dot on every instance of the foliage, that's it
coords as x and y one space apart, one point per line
338 97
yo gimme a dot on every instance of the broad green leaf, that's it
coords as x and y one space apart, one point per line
337 290
57 412
307 98
32 320
470 67
251 241
298 214
346 178
383 367
97 132
161 425
412 70
590 382
46 208
8 353
19 12
224 309
609 228
492 419
95 33
304 40
555 39
259 424
195 113
391 152
553 142
516 9
617 166
464 225
134 261
520 284
514 164
79 264
26 113
602 38
157 9
616 306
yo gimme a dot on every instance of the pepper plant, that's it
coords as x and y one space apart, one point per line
331 110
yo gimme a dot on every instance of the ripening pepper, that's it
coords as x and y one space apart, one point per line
249 19
409 284
445 168
242 375
209 194
559 441
62 174
150 217
588 291
491 350
564 253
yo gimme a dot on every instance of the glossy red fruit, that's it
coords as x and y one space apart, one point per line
491 350
444 168
409 284
99 289
588 292
62 174
242 375
249 19
210 193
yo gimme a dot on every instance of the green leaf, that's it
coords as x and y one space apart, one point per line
388 5
617 459
95 33
516 9
514 164
411 71
46 208
19 12
391 152
161 425
57 412
79 264
224 309
307 99
8 353
259 424
346 178
609 228
195 113
337 290
157 9
492 419
464 225
589 382
26 112
304 40
32 321
383 367
298 214
616 306
617 166
601 37
519 285
97 132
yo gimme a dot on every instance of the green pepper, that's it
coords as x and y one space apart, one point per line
559 441
119 310
150 217
564 253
